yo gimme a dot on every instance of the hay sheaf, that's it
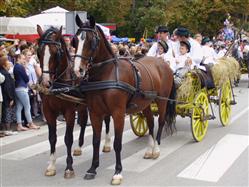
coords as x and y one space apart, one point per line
225 68
185 90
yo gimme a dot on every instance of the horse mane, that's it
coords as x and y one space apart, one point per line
105 41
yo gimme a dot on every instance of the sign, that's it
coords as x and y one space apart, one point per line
71 26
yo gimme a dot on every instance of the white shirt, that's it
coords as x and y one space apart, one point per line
167 57
196 52
209 54
181 61
221 53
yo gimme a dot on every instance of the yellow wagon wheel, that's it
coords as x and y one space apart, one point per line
199 116
225 99
138 124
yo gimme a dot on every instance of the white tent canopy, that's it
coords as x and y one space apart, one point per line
16 25
56 17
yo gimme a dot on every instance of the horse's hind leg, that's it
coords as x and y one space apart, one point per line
107 145
118 119
82 112
151 142
161 122
51 121
69 117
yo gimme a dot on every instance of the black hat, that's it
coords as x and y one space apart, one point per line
181 31
164 45
162 29
187 44
205 40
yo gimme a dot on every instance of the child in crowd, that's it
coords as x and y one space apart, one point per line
163 48
184 60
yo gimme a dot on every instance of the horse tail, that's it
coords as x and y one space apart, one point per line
170 115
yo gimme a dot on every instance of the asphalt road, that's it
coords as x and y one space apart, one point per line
221 159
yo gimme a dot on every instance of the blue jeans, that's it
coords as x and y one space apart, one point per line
22 100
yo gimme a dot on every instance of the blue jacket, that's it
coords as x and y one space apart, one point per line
21 77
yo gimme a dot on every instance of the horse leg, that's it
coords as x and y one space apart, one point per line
117 144
161 122
82 111
107 145
151 142
51 121
96 121
69 117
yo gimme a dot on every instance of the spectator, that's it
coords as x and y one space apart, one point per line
31 64
8 89
21 90
2 78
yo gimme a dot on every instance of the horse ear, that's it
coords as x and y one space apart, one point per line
91 20
39 30
79 23
59 34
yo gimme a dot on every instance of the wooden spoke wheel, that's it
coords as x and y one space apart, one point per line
225 99
138 124
199 116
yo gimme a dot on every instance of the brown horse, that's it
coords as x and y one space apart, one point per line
57 71
118 86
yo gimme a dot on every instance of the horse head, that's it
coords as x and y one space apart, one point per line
92 45
51 53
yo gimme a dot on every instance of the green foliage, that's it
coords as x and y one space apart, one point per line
134 17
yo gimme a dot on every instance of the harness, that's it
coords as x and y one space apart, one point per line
87 86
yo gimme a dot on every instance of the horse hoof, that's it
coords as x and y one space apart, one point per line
148 155
156 155
69 174
89 176
50 173
116 179
77 152
106 149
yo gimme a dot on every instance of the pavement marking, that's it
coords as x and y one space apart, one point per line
27 134
41 147
87 152
211 165
136 163
240 114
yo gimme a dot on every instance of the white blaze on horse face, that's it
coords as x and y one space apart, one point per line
47 55
77 60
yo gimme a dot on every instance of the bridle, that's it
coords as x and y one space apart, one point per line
94 45
57 74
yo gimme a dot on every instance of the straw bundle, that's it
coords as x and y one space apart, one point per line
225 68
186 89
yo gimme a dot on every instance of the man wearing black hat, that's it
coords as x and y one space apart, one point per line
163 35
196 51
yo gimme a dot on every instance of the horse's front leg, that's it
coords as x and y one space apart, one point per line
107 145
52 136
96 121
69 117
117 144
83 115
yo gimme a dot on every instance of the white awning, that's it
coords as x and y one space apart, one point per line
16 25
